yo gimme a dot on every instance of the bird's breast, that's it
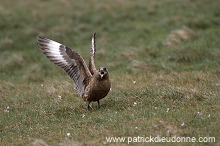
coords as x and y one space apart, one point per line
98 89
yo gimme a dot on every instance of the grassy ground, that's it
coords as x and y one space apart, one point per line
163 58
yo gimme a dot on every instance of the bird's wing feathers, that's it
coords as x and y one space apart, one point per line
92 67
93 48
67 59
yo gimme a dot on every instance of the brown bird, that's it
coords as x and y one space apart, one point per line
91 84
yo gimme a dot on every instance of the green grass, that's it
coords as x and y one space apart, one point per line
170 48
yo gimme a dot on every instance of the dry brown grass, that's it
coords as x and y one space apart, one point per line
179 35
136 65
38 142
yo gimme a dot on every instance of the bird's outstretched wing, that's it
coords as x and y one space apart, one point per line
92 67
67 59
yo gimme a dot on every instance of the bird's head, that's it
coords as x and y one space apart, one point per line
103 72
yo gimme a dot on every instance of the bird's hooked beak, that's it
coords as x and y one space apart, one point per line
103 72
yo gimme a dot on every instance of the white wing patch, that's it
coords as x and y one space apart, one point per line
56 53
93 48
93 45
53 51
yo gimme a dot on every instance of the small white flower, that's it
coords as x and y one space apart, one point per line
135 103
199 113
182 124
134 82
155 107
83 116
209 115
68 134
41 85
59 97
168 110
7 109
136 127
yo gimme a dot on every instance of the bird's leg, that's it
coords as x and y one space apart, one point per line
98 104
89 107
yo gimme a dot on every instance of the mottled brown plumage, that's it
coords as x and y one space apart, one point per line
91 84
